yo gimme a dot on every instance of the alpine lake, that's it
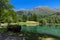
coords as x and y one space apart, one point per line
39 32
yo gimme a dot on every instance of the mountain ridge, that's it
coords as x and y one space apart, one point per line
39 10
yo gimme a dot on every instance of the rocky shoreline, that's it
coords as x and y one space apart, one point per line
5 36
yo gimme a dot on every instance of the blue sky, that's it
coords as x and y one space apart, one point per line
27 4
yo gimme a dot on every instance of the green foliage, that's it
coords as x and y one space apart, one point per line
5 4
24 18
43 15
33 17
6 12
43 21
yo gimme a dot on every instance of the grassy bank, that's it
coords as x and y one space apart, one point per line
28 23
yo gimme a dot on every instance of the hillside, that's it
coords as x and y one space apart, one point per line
40 10
42 14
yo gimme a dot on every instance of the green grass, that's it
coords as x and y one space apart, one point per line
28 23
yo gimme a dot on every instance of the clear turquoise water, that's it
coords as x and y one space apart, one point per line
53 30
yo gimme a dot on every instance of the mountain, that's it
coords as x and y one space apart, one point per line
58 9
40 10
22 12
41 14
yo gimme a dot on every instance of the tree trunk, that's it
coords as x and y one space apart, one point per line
0 23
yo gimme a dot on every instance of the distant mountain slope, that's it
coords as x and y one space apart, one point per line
22 12
40 10
58 9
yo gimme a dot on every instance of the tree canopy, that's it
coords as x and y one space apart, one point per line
6 12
